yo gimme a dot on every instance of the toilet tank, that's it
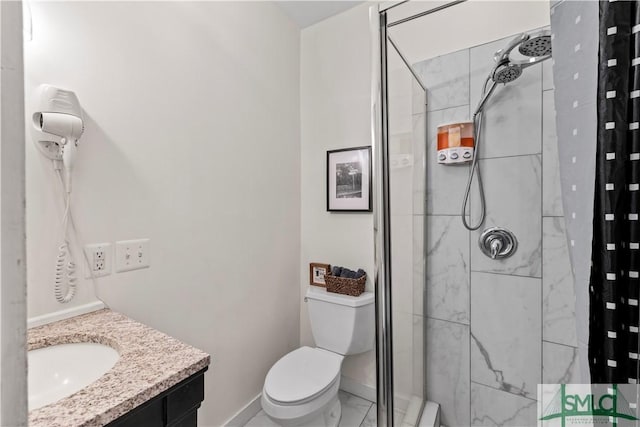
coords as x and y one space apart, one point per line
341 323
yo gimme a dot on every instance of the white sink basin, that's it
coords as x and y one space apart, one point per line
61 370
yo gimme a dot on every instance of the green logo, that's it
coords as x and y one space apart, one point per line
609 404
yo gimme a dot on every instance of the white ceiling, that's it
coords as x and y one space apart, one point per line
306 13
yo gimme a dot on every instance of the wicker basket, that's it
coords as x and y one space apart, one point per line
342 285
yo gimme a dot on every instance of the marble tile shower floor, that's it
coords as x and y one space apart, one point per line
356 412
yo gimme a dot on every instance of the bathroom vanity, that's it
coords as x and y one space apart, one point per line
176 407
157 381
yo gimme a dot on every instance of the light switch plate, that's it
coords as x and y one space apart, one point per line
132 254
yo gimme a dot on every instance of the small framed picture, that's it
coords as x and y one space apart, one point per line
349 180
317 272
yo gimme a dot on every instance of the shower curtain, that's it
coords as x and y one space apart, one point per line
574 29
613 287
597 78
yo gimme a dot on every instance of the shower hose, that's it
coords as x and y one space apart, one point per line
475 167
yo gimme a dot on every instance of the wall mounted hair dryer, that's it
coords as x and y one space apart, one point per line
57 126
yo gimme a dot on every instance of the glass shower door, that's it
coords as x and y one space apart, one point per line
406 180
407 177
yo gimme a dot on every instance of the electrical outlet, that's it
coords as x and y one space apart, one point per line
132 254
99 259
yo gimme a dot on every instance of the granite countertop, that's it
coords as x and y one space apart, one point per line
150 363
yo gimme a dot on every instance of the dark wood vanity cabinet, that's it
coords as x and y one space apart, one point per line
175 407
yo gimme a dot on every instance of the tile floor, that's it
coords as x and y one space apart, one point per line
356 412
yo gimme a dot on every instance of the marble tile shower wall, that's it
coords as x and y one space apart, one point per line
495 329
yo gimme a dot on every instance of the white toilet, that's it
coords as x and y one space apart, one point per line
301 389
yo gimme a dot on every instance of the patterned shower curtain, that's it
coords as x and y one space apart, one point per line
615 269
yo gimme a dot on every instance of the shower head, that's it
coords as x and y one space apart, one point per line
506 73
536 46
532 49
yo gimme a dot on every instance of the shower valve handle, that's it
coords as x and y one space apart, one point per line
495 246
497 243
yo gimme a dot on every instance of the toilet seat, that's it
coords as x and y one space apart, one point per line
302 375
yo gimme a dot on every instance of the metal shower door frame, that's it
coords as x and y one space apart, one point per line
379 25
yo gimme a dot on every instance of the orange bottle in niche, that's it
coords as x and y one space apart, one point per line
455 143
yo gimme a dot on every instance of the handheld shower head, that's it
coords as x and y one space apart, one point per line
506 73
532 49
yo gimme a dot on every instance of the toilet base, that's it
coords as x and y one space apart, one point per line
329 417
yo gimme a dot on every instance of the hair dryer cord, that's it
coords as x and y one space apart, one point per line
68 269
65 266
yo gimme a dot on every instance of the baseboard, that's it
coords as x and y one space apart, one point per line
64 314
242 417
358 389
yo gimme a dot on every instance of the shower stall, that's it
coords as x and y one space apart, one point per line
475 299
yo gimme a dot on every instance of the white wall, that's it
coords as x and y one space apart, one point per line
335 113
192 140
13 387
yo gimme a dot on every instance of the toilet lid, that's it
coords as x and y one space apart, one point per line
302 374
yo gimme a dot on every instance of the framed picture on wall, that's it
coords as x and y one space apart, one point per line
317 272
349 180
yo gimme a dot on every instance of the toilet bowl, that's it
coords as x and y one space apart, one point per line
301 389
